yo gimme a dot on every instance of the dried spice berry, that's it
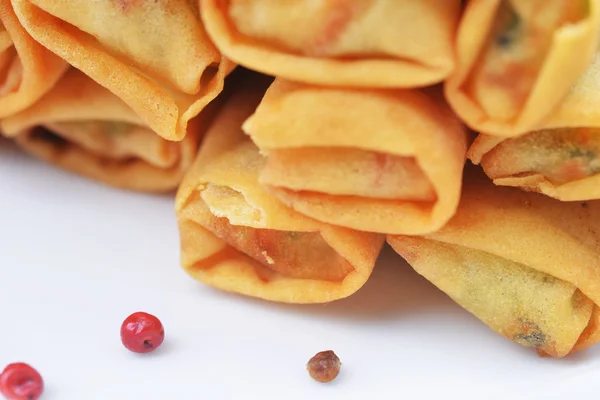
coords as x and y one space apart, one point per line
324 366
20 381
142 332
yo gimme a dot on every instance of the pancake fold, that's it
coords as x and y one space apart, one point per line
27 69
526 265
367 43
387 161
561 159
82 127
517 60
237 237
154 55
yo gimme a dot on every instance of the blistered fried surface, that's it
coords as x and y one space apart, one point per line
371 160
236 236
515 61
372 43
82 127
526 265
154 55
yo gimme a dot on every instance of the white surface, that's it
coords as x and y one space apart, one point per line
76 258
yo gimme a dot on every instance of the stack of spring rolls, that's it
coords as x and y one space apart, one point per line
347 125
118 91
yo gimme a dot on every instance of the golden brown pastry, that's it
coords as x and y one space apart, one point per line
372 160
517 59
237 237
27 70
367 43
561 159
154 55
526 265
82 127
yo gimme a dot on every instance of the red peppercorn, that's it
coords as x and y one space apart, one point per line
142 332
20 381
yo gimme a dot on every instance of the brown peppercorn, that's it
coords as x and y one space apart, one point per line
324 366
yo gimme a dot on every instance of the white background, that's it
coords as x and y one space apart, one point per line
76 258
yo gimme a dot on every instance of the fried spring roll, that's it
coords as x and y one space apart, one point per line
154 55
82 127
517 60
27 69
237 237
562 159
526 265
373 43
371 160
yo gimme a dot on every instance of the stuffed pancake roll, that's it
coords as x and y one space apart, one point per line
82 127
561 160
371 160
526 265
373 43
517 59
154 55
237 237
27 70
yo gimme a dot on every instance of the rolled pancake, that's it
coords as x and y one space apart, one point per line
526 265
82 127
237 237
154 55
372 43
517 59
560 160
372 160
27 69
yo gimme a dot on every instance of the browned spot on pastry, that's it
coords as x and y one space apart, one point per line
530 335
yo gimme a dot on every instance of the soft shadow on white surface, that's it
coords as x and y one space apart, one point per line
394 290
77 257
